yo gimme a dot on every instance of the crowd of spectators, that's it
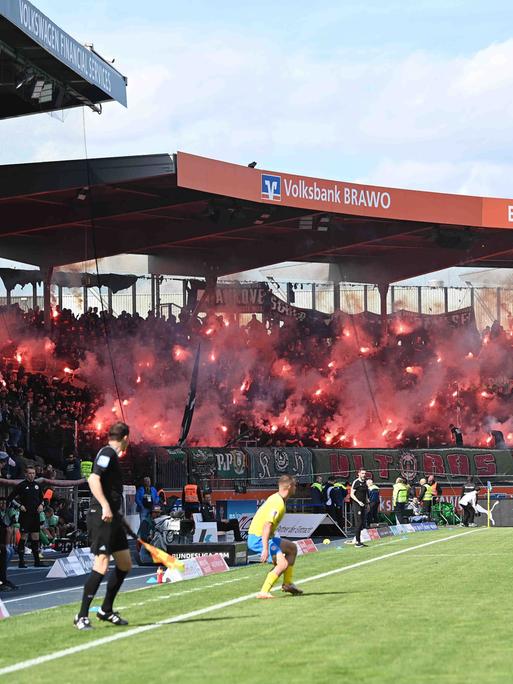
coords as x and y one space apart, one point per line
253 371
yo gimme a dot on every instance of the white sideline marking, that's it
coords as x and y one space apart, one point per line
79 587
25 664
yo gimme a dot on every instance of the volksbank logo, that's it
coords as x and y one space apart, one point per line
329 193
271 187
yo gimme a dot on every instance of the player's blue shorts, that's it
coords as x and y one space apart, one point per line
255 545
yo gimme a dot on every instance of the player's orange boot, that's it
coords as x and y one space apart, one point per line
292 589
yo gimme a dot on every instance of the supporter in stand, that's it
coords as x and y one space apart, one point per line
72 467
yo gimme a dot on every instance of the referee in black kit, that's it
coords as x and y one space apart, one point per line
29 496
360 499
106 529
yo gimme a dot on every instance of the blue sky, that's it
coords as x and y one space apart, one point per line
383 91
408 94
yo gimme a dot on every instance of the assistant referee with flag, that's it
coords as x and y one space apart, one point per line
106 529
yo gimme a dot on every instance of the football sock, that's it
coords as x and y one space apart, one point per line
3 563
270 580
288 574
90 588
34 545
114 583
21 550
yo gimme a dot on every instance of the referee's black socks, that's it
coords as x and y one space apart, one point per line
90 588
114 583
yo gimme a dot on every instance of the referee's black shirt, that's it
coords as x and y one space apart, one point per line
360 491
28 494
107 466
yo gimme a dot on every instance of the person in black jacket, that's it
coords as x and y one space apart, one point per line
468 501
29 495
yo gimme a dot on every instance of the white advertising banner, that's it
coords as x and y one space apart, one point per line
302 525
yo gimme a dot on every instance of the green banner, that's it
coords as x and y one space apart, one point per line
388 464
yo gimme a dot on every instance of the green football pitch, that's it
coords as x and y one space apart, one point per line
432 607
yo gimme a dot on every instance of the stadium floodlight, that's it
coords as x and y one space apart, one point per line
38 89
82 193
46 93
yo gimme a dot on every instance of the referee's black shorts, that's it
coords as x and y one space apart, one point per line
105 537
29 522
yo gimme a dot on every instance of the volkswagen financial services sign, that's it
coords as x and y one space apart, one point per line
83 61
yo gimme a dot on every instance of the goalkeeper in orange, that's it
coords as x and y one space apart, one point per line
261 539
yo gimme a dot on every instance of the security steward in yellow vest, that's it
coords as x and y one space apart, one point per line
400 499
318 495
191 499
86 468
426 497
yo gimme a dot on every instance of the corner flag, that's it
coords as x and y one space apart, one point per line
191 401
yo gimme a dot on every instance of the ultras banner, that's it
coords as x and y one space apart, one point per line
388 464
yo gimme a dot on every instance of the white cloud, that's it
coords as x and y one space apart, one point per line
420 120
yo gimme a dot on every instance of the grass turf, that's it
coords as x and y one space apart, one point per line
439 611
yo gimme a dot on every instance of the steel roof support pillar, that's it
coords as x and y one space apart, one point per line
47 295
383 292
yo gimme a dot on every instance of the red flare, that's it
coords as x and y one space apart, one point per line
318 392
138 379
224 428
179 353
364 350
68 370
432 403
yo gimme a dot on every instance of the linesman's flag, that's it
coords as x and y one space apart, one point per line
191 402
161 557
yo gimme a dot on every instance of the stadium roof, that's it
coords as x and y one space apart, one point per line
196 216
42 68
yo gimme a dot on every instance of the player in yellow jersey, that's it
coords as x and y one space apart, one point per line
261 539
